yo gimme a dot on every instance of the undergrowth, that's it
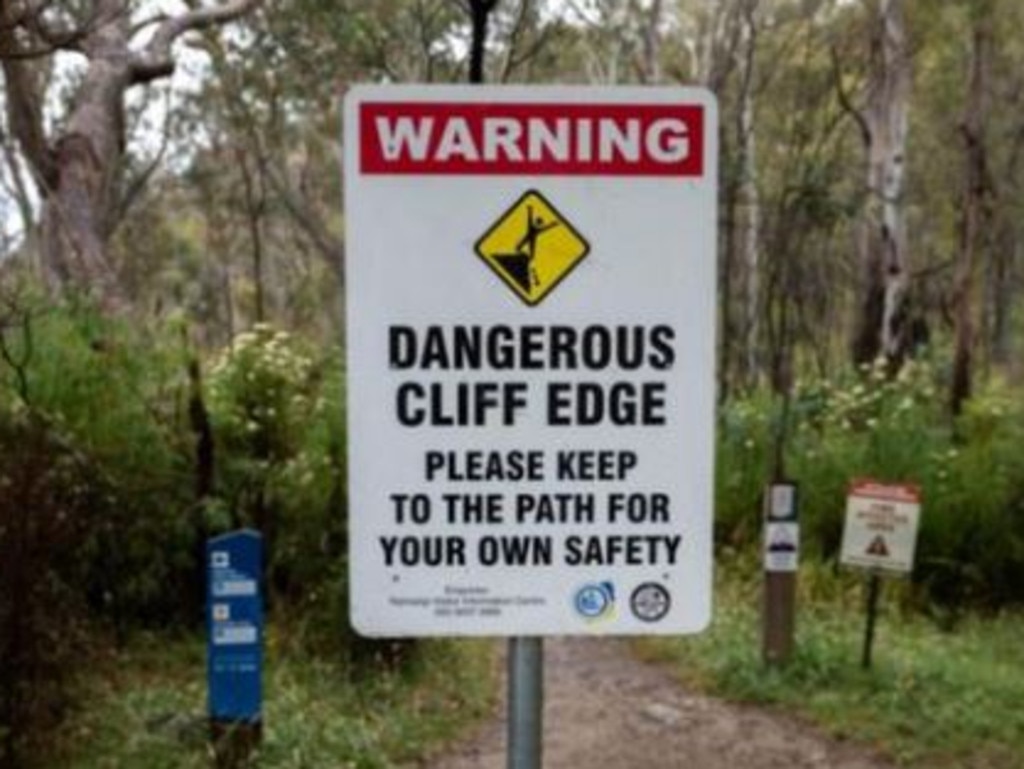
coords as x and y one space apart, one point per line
933 699
146 708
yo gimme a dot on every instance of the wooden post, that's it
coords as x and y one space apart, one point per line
234 742
781 558
779 617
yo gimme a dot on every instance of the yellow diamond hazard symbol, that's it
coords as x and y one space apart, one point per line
532 247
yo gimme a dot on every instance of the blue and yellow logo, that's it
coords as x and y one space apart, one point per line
595 601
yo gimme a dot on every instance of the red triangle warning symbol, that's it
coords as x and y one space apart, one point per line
878 547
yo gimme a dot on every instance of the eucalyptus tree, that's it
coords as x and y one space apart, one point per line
973 210
883 122
77 161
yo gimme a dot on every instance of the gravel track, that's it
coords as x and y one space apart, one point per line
605 709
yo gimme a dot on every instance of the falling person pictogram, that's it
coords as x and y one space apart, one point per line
532 246
519 264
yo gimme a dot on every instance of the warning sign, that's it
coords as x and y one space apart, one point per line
532 247
881 526
878 547
530 359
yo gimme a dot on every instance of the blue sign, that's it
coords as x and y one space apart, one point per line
234 621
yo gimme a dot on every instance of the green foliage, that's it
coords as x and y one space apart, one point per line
111 396
932 699
891 428
99 462
277 414
45 511
259 394
148 708
745 434
92 514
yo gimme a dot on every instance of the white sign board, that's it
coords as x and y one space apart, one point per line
530 352
881 526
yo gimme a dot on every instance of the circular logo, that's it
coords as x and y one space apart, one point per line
594 600
650 602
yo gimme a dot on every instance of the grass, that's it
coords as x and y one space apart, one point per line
934 699
146 709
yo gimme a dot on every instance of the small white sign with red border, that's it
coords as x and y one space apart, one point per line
881 526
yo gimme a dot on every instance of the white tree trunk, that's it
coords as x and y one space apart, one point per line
79 168
650 73
883 237
749 194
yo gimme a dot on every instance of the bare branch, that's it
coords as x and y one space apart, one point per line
18 363
136 185
650 34
148 22
536 47
513 40
330 247
155 60
844 99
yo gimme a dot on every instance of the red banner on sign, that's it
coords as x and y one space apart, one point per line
891 492
546 139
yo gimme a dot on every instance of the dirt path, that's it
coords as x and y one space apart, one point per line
607 710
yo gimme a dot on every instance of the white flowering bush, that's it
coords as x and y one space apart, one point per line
276 411
259 393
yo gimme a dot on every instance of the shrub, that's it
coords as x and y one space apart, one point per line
47 495
280 466
868 424
278 414
94 519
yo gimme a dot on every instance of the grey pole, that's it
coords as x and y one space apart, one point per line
525 655
525 702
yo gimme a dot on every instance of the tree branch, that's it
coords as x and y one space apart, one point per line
513 40
331 248
18 363
844 99
535 48
148 22
155 60
136 185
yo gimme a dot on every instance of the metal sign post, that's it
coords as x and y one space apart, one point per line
525 703
525 655
879 535
874 586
